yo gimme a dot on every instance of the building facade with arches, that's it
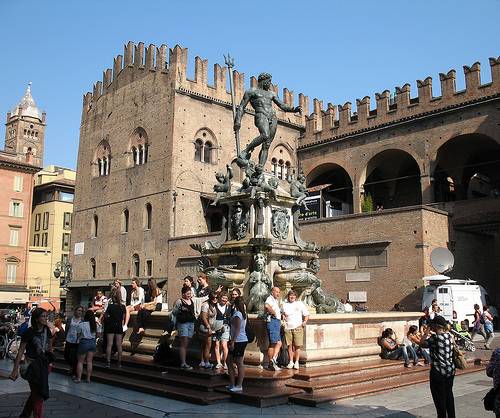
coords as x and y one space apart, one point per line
388 183
415 173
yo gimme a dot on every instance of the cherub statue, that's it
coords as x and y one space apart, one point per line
259 184
298 190
223 185
259 284
249 169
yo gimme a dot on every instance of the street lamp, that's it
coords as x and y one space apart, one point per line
65 269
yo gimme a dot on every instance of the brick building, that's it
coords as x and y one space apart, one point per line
151 140
19 162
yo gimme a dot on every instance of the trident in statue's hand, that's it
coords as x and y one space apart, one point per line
230 65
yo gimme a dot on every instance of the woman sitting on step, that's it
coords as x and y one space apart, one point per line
154 302
391 350
136 301
414 337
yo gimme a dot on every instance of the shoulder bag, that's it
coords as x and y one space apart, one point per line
458 358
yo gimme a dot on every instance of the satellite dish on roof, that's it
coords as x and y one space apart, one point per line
442 259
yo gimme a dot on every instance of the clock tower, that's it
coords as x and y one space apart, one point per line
25 131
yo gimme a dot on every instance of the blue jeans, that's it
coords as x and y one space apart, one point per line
399 352
423 352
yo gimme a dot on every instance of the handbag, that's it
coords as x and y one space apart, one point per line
489 399
458 358
150 306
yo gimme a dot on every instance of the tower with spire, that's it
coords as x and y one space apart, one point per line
25 131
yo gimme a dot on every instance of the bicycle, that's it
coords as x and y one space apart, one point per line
9 341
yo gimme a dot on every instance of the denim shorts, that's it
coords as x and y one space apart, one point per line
185 329
85 345
273 329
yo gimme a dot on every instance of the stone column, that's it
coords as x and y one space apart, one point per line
356 199
427 189
137 156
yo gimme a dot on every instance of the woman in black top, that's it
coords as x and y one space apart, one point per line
114 319
36 342
183 316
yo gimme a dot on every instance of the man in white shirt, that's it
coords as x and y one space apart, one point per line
273 312
99 303
296 316
347 306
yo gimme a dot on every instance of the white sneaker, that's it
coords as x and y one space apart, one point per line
236 389
225 366
296 365
218 366
290 365
125 328
275 365
186 367
201 365
208 365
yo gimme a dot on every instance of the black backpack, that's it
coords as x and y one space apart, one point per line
283 358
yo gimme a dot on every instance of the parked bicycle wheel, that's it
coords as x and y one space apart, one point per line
3 346
13 347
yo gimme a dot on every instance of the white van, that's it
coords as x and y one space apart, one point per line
455 297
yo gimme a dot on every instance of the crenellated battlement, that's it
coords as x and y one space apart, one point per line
337 121
137 61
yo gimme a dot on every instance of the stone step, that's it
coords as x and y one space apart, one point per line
144 347
143 368
367 387
347 379
317 372
169 390
262 397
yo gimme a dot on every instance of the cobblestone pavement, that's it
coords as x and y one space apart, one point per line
62 405
98 400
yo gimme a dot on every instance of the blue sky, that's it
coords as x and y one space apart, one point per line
336 51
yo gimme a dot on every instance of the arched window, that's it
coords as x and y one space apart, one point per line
136 265
274 163
207 152
125 220
198 149
139 147
288 169
92 268
148 214
281 165
102 159
95 226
